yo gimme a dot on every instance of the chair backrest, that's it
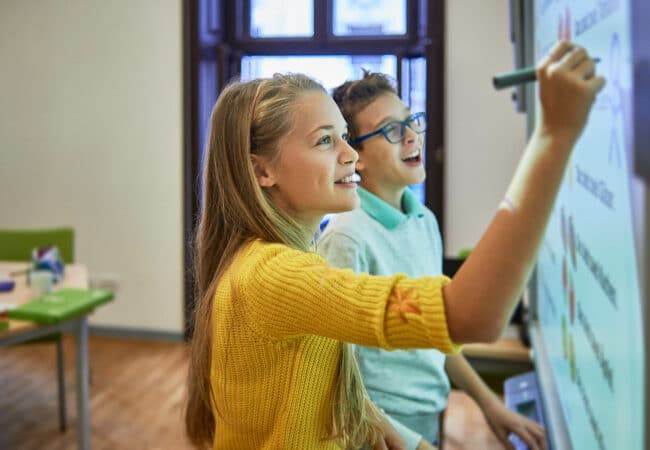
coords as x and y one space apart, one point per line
17 244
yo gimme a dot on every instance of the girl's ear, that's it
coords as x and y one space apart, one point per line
263 173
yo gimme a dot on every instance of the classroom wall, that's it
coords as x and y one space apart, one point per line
484 135
91 136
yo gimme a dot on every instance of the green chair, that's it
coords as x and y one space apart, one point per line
17 245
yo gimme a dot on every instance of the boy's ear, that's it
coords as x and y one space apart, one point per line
265 176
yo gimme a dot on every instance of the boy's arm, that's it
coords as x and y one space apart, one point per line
411 437
465 377
502 420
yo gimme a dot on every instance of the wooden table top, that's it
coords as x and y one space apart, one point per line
508 348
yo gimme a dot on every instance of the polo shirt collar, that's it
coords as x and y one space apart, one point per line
384 213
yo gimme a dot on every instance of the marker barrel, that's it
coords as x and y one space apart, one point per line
525 75
506 80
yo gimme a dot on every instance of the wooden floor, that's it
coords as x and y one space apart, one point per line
136 399
136 396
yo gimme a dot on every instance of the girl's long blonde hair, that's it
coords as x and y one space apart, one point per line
250 118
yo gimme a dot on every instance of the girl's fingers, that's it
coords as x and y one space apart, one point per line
595 84
553 61
586 69
557 52
578 60
573 58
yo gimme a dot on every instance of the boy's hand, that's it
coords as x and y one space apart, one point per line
391 439
504 421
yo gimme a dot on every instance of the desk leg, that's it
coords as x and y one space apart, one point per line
83 413
60 375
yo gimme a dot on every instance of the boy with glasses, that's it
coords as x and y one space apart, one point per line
392 232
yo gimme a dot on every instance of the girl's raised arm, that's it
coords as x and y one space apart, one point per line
481 297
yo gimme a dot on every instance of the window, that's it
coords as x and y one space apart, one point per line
414 89
277 18
329 70
369 17
330 40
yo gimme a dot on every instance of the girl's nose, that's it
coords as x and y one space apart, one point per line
348 155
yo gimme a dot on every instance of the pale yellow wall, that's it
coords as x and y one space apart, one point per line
91 136
484 135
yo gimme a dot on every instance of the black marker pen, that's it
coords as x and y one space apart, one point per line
520 76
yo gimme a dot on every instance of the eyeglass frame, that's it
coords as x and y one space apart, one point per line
403 124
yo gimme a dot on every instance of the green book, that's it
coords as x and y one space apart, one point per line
61 305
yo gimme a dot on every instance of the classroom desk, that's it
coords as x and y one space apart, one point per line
76 276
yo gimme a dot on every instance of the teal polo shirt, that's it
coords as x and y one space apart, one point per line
385 214
376 238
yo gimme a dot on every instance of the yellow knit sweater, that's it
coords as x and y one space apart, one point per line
278 317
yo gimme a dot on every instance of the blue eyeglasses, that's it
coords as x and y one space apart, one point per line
394 131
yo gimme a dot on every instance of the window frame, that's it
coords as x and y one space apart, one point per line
324 41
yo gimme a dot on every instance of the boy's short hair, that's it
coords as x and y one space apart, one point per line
353 96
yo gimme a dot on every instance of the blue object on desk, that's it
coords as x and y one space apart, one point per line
522 395
7 285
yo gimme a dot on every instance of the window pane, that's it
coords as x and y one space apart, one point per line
369 17
414 79
331 71
282 18
208 78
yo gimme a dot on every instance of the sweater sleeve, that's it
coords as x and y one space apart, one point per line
289 293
